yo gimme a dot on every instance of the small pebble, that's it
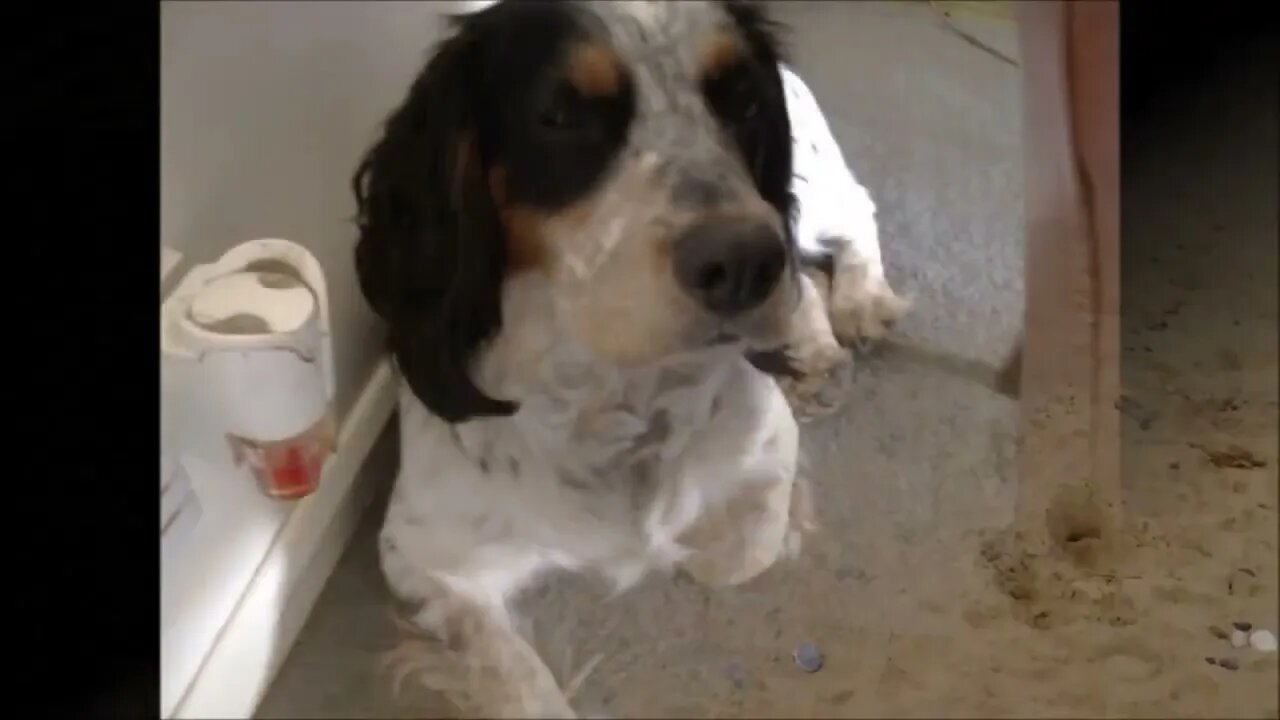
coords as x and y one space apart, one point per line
807 658
1228 663
1211 660
1263 641
1218 632
1242 626
1239 639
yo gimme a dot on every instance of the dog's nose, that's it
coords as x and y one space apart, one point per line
729 266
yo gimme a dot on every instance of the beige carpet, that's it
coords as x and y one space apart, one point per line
917 471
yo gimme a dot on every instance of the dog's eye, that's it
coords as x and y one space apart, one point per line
734 96
554 117
563 111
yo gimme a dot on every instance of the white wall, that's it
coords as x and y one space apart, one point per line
265 108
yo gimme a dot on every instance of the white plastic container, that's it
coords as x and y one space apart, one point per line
252 331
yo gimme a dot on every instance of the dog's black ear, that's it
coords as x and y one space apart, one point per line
430 255
769 136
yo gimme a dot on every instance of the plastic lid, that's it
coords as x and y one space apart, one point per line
253 303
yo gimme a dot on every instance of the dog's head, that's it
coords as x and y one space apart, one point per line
637 156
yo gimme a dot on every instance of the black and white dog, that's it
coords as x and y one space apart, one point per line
589 226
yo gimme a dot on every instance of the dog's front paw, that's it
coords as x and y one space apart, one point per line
808 376
863 307
817 396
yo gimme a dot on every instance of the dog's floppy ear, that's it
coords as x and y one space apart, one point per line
771 161
430 256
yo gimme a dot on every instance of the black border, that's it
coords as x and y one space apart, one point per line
83 112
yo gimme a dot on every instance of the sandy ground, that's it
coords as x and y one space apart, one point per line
919 606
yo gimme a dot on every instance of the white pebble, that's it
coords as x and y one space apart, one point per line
1239 638
1263 641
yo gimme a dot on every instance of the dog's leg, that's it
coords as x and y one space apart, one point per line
742 538
835 220
466 645
812 352
863 307
750 533
762 519
471 653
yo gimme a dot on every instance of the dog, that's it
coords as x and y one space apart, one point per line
580 228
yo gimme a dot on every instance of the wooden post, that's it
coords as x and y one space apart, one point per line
1069 493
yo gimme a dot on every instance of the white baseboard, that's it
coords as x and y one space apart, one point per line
265 623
